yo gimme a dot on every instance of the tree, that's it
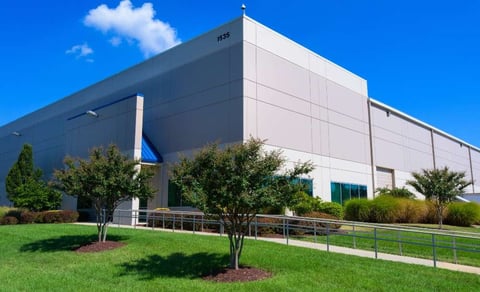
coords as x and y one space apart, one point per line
107 179
24 185
441 186
235 183
396 192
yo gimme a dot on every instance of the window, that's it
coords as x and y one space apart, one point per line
342 192
308 183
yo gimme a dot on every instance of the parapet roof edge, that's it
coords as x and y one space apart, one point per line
423 124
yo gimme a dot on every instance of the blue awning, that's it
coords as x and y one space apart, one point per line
149 153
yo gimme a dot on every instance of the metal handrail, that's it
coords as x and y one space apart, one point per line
434 238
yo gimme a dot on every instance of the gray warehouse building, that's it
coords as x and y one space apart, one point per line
237 81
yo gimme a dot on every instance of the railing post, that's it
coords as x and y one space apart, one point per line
287 230
354 236
375 241
181 221
256 227
135 219
328 236
434 250
315 231
399 236
173 223
194 227
163 220
454 250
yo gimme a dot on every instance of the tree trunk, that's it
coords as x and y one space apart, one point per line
440 217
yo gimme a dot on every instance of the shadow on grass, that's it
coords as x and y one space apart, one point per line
176 265
64 243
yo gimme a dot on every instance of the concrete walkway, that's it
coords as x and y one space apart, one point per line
333 248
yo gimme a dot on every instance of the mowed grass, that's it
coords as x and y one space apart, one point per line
451 249
40 258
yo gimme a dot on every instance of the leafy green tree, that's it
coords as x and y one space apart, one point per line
441 186
24 185
107 179
235 184
396 192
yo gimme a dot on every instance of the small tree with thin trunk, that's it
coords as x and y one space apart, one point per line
236 183
441 186
107 179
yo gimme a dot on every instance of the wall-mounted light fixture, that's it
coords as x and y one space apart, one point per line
15 133
92 113
388 113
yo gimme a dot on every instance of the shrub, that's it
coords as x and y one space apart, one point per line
16 212
358 210
69 216
463 214
385 209
395 192
268 226
4 210
322 225
29 217
411 211
305 203
430 216
8 220
52 217
59 216
332 208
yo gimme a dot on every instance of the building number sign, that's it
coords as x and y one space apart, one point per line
223 37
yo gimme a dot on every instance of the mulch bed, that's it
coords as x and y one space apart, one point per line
100 246
244 274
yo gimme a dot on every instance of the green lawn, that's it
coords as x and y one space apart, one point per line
40 258
411 243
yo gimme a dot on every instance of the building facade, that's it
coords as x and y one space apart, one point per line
237 81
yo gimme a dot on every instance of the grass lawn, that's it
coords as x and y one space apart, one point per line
40 258
412 243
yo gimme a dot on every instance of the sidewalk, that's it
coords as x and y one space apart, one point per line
332 248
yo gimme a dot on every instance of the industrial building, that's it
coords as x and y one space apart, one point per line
237 81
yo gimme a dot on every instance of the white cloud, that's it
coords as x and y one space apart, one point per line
80 51
130 23
115 41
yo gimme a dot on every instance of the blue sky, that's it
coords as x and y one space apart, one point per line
421 57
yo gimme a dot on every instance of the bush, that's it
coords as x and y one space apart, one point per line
28 217
358 210
8 220
4 210
272 226
332 208
411 211
59 216
463 214
385 209
305 204
430 216
16 212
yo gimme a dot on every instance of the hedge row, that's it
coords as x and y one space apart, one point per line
19 216
387 209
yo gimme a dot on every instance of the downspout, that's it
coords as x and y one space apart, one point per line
471 167
372 160
433 149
